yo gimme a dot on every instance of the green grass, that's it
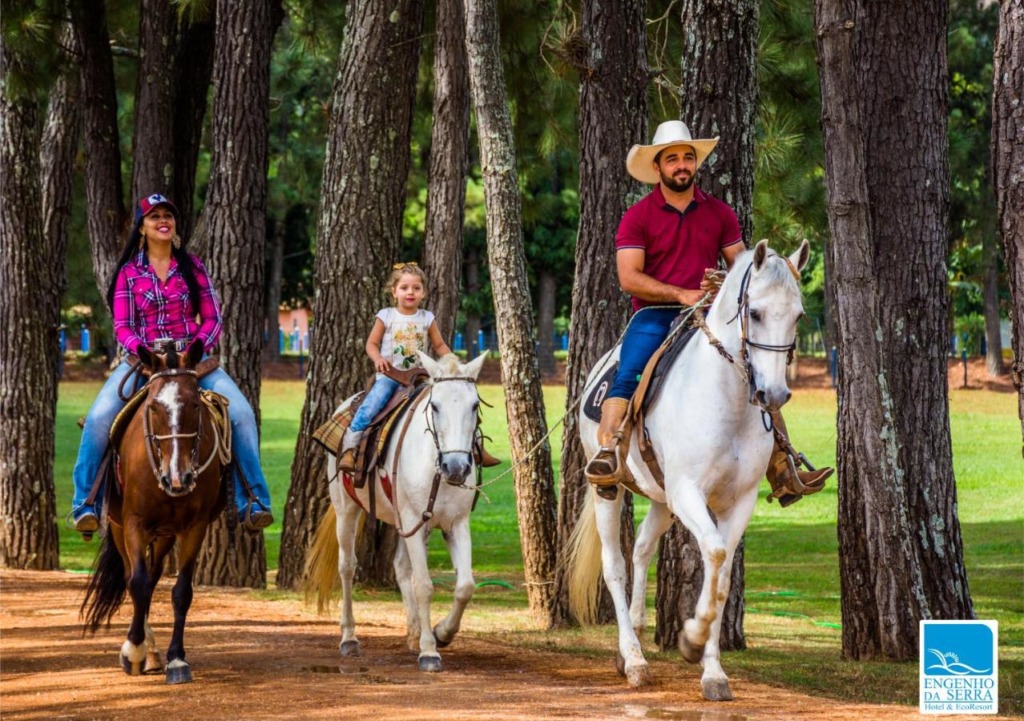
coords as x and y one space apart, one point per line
793 615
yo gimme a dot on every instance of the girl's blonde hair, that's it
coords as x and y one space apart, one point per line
401 269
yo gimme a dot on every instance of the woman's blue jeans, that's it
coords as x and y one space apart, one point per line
378 396
647 330
245 436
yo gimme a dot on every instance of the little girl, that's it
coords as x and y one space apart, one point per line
398 332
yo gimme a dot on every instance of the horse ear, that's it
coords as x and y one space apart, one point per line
760 253
432 366
146 356
801 256
195 353
472 369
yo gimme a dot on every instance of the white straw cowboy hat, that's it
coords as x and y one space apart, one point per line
640 161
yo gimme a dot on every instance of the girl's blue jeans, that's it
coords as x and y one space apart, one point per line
647 330
245 435
377 397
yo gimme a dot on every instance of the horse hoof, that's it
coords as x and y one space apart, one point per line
132 668
153 663
179 672
716 689
441 643
350 648
692 653
620 664
639 676
430 664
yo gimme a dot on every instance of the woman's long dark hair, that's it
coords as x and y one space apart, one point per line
186 266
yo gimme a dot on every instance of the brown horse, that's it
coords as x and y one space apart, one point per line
170 464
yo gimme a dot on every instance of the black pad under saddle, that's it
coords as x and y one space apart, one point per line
592 406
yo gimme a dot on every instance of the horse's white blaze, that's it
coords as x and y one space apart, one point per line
170 399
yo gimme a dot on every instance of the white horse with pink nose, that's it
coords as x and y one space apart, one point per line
711 436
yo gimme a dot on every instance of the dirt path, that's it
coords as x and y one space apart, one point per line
260 659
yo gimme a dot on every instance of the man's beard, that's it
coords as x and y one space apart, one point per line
676 186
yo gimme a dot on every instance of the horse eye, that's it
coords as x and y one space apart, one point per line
476 405
434 407
755 315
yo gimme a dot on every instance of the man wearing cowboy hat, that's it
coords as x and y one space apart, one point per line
664 246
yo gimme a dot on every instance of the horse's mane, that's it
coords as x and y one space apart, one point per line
771 274
449 364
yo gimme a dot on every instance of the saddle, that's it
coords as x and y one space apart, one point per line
644 398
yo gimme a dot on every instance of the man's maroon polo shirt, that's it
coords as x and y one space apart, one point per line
678 245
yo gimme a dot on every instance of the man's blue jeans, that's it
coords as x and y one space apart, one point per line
647 330
245 435
378 396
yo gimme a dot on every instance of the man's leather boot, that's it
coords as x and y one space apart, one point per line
349 444
603 469
789 484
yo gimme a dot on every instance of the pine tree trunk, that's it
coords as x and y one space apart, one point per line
28 384
153 141
524 403
1007 164
884 102
613 117
272 348
366 166
546 287
990 295
104 189
235 216
719 73
193 68
472 273
449 163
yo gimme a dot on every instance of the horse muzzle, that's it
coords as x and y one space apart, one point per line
176 485
455 466
771 399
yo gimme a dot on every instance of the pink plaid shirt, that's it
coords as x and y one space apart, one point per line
147 309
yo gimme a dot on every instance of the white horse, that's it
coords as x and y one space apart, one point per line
434 484
712 440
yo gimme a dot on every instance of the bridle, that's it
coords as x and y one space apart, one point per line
428 415
743 367
152 440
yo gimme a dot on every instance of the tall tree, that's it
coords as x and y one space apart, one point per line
28 384
718 96
613 117
104 188
884 98
449 163
193 67
524 404
233 227
358 234
153 141
1008 166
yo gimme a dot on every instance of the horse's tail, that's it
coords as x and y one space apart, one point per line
584 562
320 576
107 587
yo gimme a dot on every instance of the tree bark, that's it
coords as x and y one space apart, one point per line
366 166
234 217
104 188
28 383
613 117
272 347
524 404
719 72
153 140
449 163
884 101
193 68
990 295
472 273
1008 167
546 287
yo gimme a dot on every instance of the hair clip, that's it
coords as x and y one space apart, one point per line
413 264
